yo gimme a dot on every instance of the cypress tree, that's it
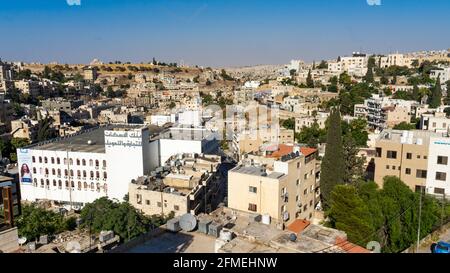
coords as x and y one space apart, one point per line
447 98
436 95
369 75
415 93
309 80
333 166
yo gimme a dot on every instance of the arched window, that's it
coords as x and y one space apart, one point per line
33 159
59 184
104 163
71 172
79 185
105 187
54 183
53 172
84 174
59 172
67 184
52 160
85 185
34 170
92 175
83 162
91 162
71 161
96 163
47 182
45 160
42 182
92 186
58 161
35 182
46 171
79 173
66 173
105 175
40 159
72 184
78 162
98 186
97 174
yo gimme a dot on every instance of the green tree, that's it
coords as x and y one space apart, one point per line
45 131
17 143
436 95
416 93
312 136
332 164
288 123
349 213
354 164
309 80
323 65
370 66
404 126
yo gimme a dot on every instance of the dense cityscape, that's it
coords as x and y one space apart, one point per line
335 155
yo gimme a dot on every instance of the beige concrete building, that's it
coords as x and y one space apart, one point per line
180 187
402 154
279 182
28 87
251 140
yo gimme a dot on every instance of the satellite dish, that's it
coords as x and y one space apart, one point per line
22 240
188 222
73 247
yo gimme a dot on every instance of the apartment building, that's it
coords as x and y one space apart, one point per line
418 158
435 122
28 87
279 182
443 73
90 73
394 60
24 128
187 183
307 121
83 167
353 65
384 112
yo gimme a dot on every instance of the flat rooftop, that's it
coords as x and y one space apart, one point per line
396 136
79 142
256 171
196 134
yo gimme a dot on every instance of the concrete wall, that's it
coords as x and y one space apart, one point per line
9 240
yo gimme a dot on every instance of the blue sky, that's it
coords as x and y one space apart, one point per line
217 32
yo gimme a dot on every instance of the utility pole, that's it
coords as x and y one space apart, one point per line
420 217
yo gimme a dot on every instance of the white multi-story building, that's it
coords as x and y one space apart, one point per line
438 178
435 122
353 65
186 140
443 73
395 60
78 169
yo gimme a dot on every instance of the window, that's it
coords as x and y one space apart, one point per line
59 184
177 208
305 192
33 159
105 175
421 174
71 161
387 167
147 202
34 170
59 172
71 172
105 187
407 171
91 162
83 162
104 163
79 185
58 161
159 204
252 189
393 167
298 165
54 183
40 159
52 160
252 207
96 163
45 160
392 154
442 160
78 162
408 155
379 152
439 191
298 182
85 186
441 176
84 174
92 175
